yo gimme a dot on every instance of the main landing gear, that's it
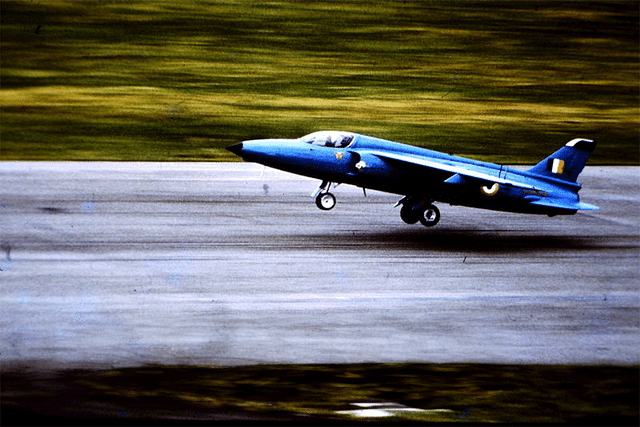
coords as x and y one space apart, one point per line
412 212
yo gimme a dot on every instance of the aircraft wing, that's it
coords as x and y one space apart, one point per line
456 169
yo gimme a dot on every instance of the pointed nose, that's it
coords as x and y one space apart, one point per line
235 148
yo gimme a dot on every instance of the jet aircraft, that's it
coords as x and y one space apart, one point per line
425 176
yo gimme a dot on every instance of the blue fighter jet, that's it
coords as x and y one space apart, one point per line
425 176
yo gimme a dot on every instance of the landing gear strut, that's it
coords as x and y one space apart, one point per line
324 200
412 212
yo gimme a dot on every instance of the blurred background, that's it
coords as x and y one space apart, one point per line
507 82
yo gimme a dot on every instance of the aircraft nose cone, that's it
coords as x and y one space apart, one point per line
235 148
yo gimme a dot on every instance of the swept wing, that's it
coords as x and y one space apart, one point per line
550 202
463 171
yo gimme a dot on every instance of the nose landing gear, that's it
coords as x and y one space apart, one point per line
324 200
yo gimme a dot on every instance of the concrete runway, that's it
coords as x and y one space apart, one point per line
124 264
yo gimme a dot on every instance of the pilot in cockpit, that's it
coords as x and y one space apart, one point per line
331 139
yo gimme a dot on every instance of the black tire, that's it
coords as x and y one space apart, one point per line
430 216
410 215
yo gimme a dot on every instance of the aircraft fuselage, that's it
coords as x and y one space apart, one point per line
419 174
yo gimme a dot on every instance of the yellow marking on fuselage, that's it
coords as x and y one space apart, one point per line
490 191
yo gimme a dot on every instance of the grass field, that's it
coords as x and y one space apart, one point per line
472 393
179 80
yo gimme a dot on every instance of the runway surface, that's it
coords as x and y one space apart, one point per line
125 264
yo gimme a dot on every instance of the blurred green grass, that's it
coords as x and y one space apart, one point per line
475 393
499 81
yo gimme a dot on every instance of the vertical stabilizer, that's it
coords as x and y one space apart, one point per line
567 162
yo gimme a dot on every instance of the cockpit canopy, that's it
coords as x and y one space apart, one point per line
329 139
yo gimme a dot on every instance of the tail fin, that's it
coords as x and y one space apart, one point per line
567 162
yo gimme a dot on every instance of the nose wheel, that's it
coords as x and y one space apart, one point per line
326 201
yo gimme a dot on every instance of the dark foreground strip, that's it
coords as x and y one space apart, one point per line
323 394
